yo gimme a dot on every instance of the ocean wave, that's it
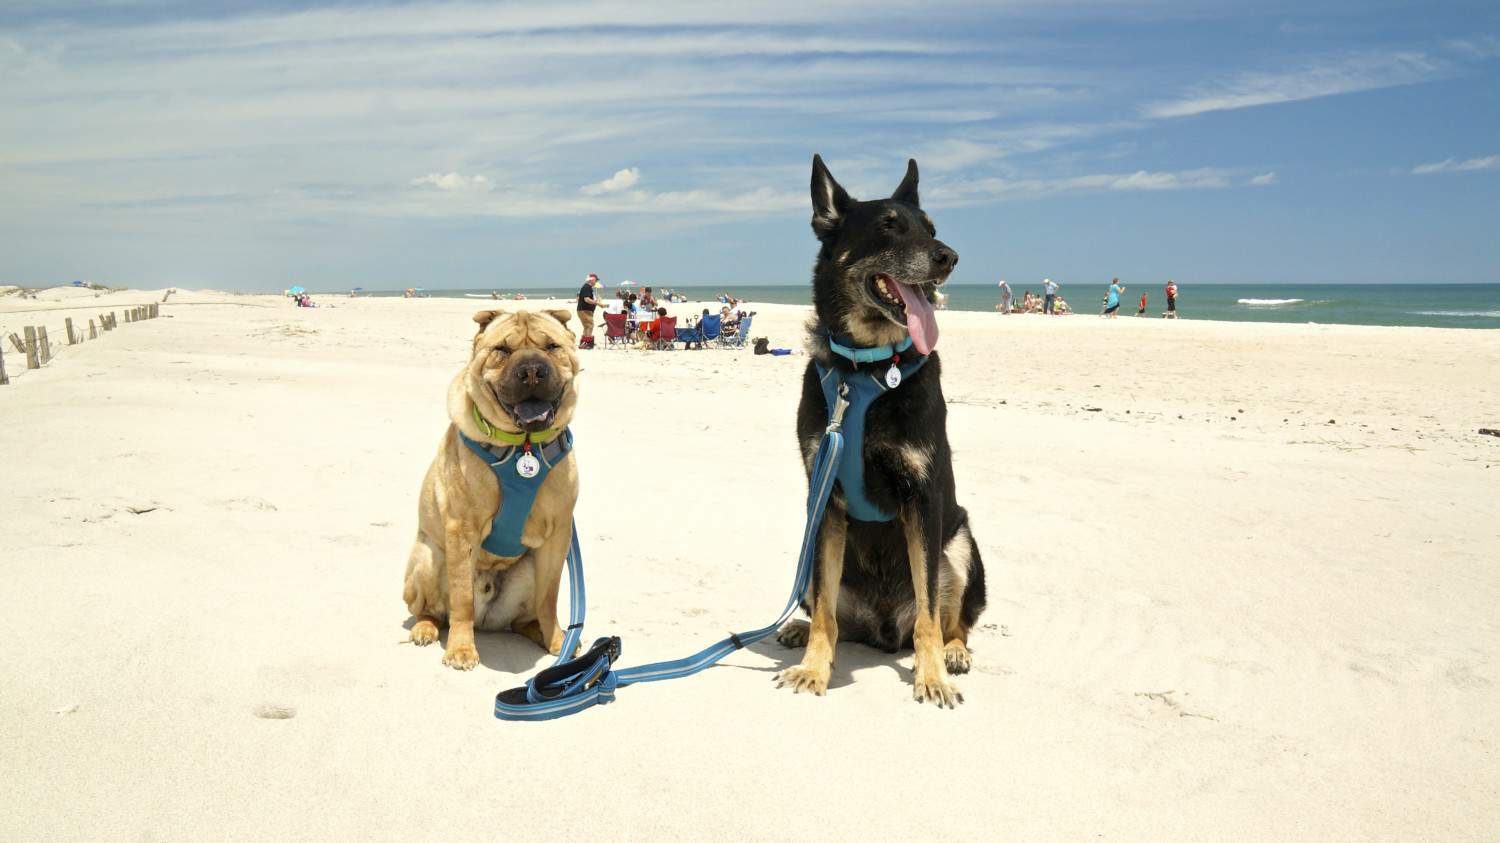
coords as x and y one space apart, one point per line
1488 314
1269 302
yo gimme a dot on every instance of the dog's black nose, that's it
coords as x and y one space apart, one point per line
944 257
532 374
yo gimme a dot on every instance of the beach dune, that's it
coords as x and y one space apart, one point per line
1242 582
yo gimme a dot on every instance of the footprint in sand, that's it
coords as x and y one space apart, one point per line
268 711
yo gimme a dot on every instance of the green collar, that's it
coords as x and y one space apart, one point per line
506 436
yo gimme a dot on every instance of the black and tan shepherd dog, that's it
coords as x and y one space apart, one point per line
915 580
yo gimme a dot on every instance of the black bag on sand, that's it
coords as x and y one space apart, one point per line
762 345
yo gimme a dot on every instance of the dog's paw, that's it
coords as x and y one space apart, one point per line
793 634
936 690
956 657
461 656
424 632
803 678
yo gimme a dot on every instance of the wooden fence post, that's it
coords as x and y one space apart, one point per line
31 361
16 341
43 344
69 323
4 378
93 333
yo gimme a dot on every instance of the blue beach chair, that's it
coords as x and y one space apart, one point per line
737 339
706 331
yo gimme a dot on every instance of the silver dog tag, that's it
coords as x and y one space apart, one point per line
527 466
893 376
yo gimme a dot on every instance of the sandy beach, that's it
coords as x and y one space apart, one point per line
1242 584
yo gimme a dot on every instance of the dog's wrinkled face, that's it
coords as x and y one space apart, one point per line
520 374
880 264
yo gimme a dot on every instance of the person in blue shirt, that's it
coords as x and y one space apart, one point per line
1112 302
1049 305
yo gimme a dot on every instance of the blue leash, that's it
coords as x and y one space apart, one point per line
572 685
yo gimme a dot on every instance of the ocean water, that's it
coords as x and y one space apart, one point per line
1431 305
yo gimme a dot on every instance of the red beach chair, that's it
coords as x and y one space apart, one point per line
614 328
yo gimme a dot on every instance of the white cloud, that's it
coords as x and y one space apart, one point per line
621 180
1348 75
979 191
1263 180
454 182
1489 162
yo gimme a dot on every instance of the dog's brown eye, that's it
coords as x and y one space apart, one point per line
552 346
502 349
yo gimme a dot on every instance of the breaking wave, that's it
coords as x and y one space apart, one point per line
1269 302
1488 314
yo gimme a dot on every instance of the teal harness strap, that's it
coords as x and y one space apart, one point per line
864 386
517 491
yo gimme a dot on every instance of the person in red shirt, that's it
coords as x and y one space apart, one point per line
1143 305
1171 300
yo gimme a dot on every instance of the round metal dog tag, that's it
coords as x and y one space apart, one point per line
893 376
527 466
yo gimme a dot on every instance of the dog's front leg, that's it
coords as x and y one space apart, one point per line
923 550
828 569
547 565
461 547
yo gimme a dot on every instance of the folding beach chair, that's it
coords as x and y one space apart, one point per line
665 334
614 328
737 339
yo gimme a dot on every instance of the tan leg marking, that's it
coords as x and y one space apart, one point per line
424 631
460 653
954 579
930 683
532 630
823 633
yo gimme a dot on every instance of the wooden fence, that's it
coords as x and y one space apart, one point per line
38 351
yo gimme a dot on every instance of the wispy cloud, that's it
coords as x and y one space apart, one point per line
1000 188
454 182
1450 165
621 180
1262 180
1342 76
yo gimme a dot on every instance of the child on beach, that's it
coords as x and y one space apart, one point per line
1171 300
1142 309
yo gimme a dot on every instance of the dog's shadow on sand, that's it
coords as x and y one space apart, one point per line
849 658
502 652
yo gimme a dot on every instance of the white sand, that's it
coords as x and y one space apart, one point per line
1268 627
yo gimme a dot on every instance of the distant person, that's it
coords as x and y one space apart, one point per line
1005 297
1171 300
1050 288
1112 299
586 304
647 300
1142 309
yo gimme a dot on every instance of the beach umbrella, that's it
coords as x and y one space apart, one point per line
296 290
359 289
627 283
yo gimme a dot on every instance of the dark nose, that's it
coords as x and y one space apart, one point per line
532 374
944 257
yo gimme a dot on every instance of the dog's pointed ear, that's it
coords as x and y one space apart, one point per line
829 201
907 190
560 315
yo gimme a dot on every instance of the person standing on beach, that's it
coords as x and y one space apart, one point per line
1112 302
1049 307
1171 299
1005 297
1142 309
586 305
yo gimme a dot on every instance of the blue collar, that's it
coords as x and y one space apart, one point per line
517 493
867 355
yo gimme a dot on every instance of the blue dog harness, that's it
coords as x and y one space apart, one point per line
520 470
860 388
571 685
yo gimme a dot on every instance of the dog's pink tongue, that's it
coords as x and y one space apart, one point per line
921 322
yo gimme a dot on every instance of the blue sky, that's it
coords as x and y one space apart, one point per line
253 146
